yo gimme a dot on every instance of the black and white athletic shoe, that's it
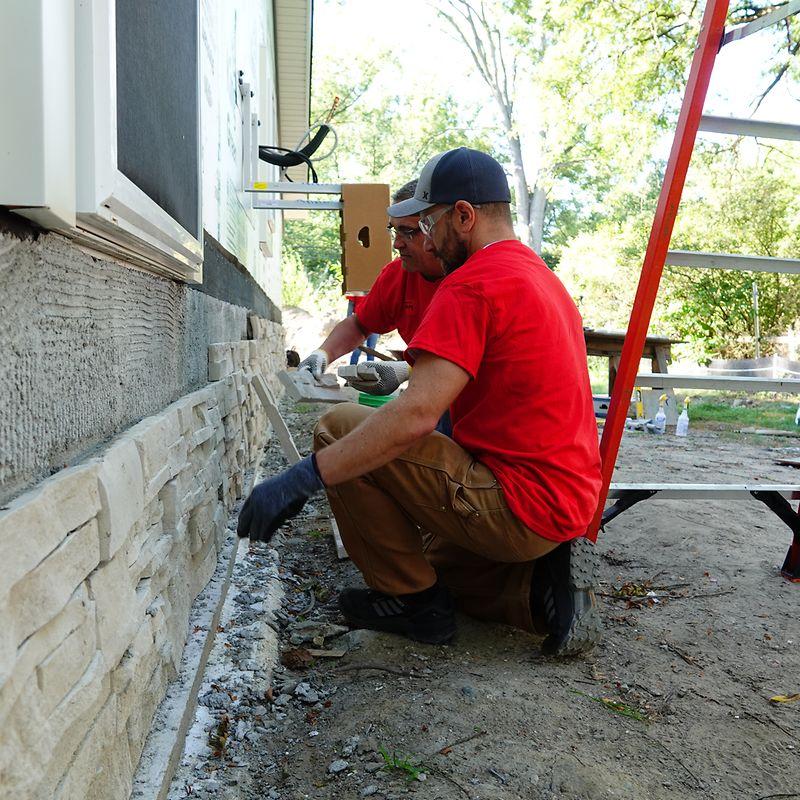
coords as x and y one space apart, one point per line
432 622
564 582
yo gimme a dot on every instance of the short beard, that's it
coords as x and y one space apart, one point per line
452 254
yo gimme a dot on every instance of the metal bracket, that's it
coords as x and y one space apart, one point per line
624 502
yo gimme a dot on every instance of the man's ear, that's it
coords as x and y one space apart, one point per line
464 216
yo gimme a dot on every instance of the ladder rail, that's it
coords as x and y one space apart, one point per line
732 261
773 17
704 491
724 383
757 128
708 45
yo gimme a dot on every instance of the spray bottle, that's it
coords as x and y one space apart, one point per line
640 405
660 420
682 428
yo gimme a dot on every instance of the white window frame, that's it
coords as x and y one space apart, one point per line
112 212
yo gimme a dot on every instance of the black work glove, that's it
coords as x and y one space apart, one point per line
277 499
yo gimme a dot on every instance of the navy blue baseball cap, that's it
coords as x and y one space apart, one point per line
460 174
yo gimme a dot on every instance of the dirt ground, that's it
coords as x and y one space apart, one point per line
675 702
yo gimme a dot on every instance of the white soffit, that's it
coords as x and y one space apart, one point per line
293 27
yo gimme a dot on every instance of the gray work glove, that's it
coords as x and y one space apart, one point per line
390 374
316 363
278 499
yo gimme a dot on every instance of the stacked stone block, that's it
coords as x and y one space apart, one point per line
100 566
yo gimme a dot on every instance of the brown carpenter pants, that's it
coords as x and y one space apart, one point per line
435 511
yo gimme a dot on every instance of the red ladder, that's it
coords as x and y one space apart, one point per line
690 120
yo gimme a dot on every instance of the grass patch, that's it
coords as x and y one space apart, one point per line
617 706
775 414
393 762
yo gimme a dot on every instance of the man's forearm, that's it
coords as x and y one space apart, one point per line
344 338
384 435
392 429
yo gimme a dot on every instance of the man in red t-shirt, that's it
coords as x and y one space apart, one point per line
495 515
398 299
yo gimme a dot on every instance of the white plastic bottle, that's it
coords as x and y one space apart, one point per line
660 420
682 428
797 416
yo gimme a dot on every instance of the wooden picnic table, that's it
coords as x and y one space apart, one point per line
602 342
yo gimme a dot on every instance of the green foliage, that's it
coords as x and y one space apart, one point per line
778 415
314 243
300 288
733 209
733 203
296 286
387 128
600 84
385 135
398 763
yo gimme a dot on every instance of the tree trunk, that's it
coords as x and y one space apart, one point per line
522 198
538 205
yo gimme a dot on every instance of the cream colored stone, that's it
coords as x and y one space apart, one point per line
117 609
154 512
200 526
177 455
202 435
217 370
202 568
121 493
137 603
61 670
96 763
153 569
212 414
37 522
154 436
219 351
20 673
115 780
26 740
44 592
66 726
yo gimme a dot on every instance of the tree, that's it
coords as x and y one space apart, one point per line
483 28
384 136
583 91
785 45
736 209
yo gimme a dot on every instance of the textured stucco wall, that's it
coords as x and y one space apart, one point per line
87 348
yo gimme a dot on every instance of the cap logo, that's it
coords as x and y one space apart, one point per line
424 195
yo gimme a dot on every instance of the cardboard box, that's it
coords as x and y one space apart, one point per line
366 244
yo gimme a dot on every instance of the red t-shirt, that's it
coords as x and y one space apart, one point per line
527 413
397 299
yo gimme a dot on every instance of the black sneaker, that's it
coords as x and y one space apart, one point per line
564 582
433 622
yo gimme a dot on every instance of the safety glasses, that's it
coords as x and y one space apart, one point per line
404 233
426 223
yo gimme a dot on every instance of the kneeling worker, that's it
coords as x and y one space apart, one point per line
398 299
507 499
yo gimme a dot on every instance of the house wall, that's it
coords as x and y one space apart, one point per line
120 460
237 42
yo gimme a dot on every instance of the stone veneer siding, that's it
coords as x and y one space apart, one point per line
100 565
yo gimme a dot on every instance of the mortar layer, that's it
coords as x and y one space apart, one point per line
90 346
